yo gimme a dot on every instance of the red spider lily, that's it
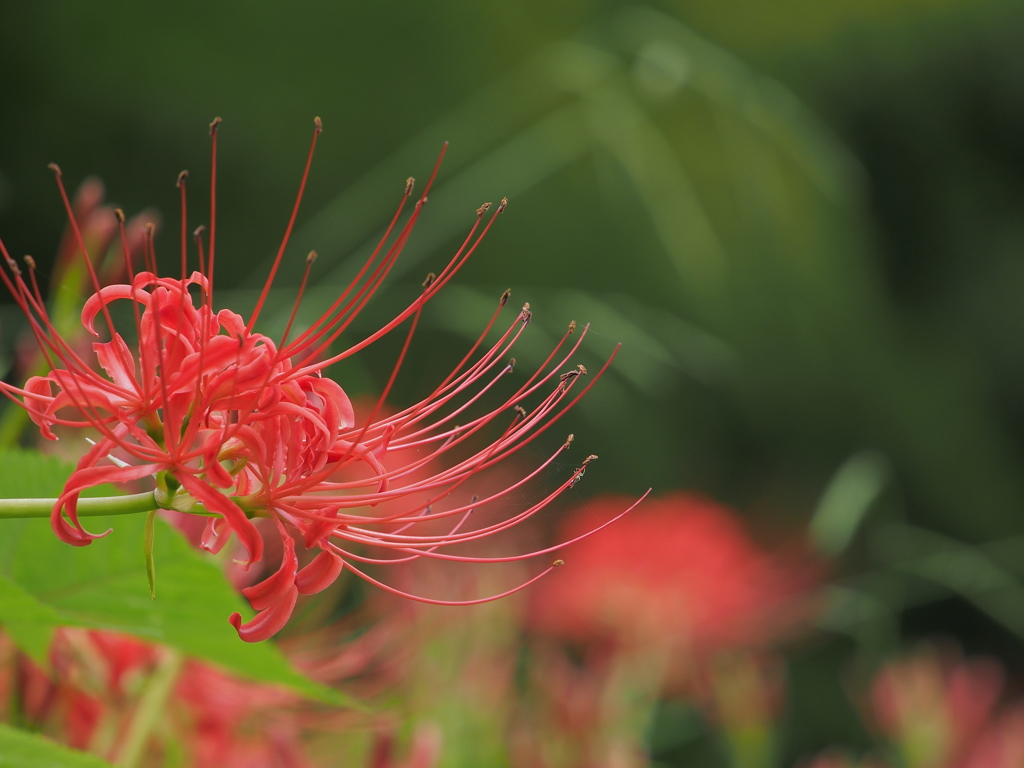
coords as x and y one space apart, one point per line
937 706
236 426
97 686
683 571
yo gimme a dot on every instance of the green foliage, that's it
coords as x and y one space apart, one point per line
19 749
45 583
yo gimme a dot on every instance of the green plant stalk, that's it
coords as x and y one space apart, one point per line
133 504
151 709
98 507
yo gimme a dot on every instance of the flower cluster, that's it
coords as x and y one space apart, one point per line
934 707
237 426
677 601
99 694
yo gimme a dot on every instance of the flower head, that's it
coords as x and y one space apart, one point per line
936 705
236 425
682 572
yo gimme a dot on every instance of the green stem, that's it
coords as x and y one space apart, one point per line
150 710
110 505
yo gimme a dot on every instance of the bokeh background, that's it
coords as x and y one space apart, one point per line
802 220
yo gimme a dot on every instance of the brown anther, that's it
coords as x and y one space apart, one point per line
557 563
511 364
318 124
181 179
582 368
568 441
520 410
504 297
581 471
483 209
503 205
30 262
409 184
14 266
198 231
55 168
119 215
213 125
429 280
526 314
311 257
572 326
566 377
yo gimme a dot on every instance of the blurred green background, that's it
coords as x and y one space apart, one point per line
802 220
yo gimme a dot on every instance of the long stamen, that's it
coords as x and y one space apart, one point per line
184 225
213 197
324 322
431 601
362 296
79 239
318 129
298 299
305 365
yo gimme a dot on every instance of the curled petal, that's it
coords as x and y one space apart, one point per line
64 517
236 519
270 590
95 303
39 401
337 407
319 574
274 598
215 472
232 322
116 359
212 540
266 623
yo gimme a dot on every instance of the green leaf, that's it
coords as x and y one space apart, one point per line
45 583
21 749
29 622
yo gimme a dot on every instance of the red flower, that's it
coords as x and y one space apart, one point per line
232 424
681 570
97 686
935 705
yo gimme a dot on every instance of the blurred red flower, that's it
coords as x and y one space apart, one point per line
680 570
96 689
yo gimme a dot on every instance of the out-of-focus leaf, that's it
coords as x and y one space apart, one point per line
46 583
846 500
964 569
20 749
